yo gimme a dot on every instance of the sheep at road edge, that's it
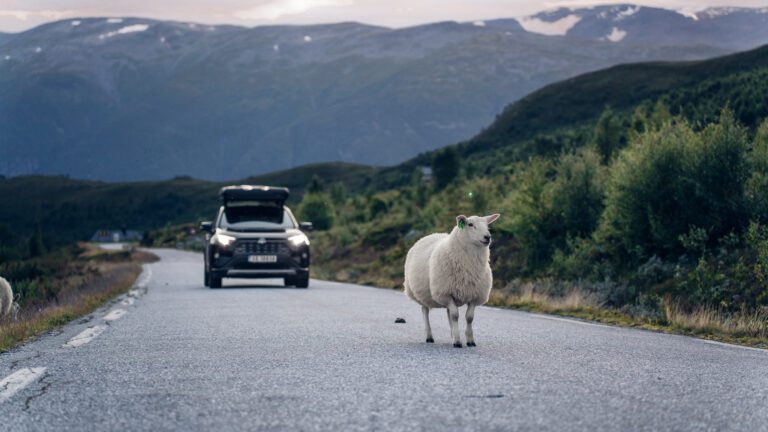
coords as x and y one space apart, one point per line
452 270
6 298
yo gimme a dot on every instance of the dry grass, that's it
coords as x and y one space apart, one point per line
105 276
574 300
708 320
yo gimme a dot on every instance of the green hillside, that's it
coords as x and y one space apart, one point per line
560 116
69 209
581 99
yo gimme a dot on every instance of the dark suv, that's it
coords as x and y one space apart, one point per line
256 236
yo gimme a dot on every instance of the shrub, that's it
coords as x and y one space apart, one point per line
757 185
36 244
445 167
317 208
551 204
376 207
608 135
671 179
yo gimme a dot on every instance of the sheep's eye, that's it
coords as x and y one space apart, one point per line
471 225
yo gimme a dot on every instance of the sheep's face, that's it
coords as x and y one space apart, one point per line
474 229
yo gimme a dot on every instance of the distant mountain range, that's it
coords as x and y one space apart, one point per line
132 98
725 27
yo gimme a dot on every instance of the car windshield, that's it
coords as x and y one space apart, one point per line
249 218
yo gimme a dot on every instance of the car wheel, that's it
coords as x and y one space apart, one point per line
302 280
215 281
207 278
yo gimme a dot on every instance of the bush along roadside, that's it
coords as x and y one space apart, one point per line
64 284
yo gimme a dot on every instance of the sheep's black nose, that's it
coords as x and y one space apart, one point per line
487 237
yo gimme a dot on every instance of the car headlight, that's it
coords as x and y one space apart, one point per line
224 240
299 240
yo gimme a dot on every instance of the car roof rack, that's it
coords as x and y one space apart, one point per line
253 193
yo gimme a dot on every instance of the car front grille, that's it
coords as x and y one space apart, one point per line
254 247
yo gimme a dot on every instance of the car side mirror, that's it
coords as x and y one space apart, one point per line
306 226
206 226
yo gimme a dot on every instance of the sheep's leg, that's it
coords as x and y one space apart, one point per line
428 328
453 320
470 317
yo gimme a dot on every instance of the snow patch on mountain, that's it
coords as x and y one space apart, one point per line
618 13
550 28
125 30
617 35
715 12
114 20
75 23
307 38
479 23
628 12
692 14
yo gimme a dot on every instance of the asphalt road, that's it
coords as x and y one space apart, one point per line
183 357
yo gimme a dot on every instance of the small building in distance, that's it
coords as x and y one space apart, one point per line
115 236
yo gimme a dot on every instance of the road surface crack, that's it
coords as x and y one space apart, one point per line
46 384
489 396
15 363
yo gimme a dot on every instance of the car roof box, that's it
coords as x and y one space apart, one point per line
256 194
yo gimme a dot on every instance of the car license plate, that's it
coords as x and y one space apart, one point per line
262 258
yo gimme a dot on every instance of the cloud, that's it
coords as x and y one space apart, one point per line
277 9
23 15
19 15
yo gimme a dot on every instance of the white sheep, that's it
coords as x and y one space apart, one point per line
6 298
452 270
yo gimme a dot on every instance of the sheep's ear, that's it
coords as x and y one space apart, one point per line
492 218
461 220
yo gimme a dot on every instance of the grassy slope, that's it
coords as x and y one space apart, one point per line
583 98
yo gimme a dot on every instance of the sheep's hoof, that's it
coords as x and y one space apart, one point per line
470 344
430 340
457 345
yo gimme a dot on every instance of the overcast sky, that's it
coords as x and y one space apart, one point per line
18 15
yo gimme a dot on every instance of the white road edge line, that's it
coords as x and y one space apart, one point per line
16 381
85 336
146 278
114 314
146 275
128 301
553 318
571 320
727 345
